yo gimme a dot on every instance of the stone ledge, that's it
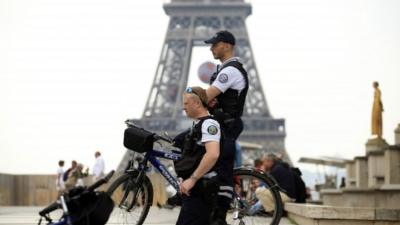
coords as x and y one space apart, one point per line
361 157
332 191
357 189
393 147
323 212
387 214
390 187
384 188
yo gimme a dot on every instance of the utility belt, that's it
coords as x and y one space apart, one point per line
209 189
226 120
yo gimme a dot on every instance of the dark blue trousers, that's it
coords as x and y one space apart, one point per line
226 163
195 209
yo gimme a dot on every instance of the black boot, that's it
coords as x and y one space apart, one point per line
219 217
173 201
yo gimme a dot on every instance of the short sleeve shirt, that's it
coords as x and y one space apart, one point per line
229 77
60 172
210 131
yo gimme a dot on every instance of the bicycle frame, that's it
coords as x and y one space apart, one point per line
151 156
65 219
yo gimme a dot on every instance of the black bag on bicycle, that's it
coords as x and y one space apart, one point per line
92 208
138 140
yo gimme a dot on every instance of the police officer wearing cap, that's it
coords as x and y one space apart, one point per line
200 151
227 95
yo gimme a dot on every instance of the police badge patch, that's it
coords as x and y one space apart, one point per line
223 78
213 130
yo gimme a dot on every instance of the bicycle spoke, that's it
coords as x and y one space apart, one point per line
254 192
134 199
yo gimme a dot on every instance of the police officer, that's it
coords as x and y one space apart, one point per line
227 95
200 152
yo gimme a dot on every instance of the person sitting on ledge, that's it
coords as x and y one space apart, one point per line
282 173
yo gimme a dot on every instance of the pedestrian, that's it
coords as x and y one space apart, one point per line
226 97
69 171
99 166
197 167
283 175
79 174
60 186
76 175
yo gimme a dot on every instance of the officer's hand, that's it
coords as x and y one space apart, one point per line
186 186
212 103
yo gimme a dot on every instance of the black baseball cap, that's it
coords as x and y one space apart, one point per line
224 36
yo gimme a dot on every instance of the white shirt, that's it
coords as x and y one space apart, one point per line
210 131
229 77
60 174
99 167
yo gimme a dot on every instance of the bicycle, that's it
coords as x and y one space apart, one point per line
78 203
132 192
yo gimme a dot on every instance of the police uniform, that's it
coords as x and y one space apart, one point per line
197 208
231 79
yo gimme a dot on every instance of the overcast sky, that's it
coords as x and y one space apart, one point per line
72 71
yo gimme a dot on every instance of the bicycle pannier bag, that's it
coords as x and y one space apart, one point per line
91 208
138 140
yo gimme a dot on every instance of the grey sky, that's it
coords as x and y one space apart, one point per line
72 71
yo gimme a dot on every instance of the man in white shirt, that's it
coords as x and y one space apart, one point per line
59 181
226 96
99 167
200 153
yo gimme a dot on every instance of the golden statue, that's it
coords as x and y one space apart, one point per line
377 110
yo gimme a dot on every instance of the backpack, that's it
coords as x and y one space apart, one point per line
65 175
90 208
300 186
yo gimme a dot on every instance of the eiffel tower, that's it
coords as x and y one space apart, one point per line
191 22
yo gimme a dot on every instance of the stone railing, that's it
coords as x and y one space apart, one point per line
32 190
307 214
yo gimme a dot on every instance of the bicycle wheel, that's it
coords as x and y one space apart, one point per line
132 199
254 190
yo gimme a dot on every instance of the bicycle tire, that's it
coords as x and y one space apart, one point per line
145 186
272 187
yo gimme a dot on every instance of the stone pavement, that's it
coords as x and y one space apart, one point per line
28 215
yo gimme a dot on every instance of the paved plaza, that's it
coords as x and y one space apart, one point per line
28 215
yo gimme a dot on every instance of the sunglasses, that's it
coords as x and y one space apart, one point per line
191 91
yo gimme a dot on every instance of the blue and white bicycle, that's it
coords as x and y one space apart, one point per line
132 192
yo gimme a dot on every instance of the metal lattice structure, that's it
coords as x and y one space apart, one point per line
192 22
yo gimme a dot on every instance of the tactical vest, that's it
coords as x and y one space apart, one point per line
231 103
192 150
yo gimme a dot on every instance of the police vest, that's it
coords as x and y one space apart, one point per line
231 102
192 150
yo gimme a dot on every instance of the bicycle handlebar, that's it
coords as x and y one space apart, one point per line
101 181
156 136
53 206
56 205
